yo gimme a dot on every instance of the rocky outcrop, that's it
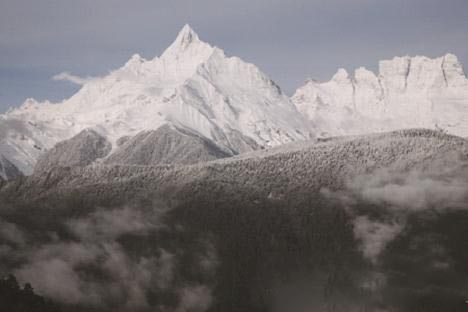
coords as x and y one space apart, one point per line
8 171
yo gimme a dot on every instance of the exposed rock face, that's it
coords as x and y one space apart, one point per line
408 92
81 150
8 171
166 145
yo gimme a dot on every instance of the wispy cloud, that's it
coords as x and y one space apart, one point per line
442 186
66 76
375 235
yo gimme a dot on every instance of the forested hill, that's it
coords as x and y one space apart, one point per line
371 223
14 298
298 167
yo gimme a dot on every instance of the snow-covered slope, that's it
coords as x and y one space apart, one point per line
81 150
192 86
166 145
408 92
280 172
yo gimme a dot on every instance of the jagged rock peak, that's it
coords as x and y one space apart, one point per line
186 36
406 92
421 72
453 71
135 59
402 72
186 40
341 75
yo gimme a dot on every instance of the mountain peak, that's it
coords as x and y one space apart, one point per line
187 34
341 75
186 38
182 58
135 60
407 92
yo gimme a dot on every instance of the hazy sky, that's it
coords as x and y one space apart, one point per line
288 39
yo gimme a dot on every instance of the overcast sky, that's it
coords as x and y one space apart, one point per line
290 40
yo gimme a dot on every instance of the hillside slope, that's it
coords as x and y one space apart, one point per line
164 146
350 224
81 150
276 172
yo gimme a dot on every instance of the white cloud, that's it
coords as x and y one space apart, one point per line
66 76
440 186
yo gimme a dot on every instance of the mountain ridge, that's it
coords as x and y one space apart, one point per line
196 88
406 92
310 165
192 86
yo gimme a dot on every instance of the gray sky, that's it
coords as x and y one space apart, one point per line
290 40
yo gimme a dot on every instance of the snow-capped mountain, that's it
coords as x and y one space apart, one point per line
205 98
408 92
192 86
